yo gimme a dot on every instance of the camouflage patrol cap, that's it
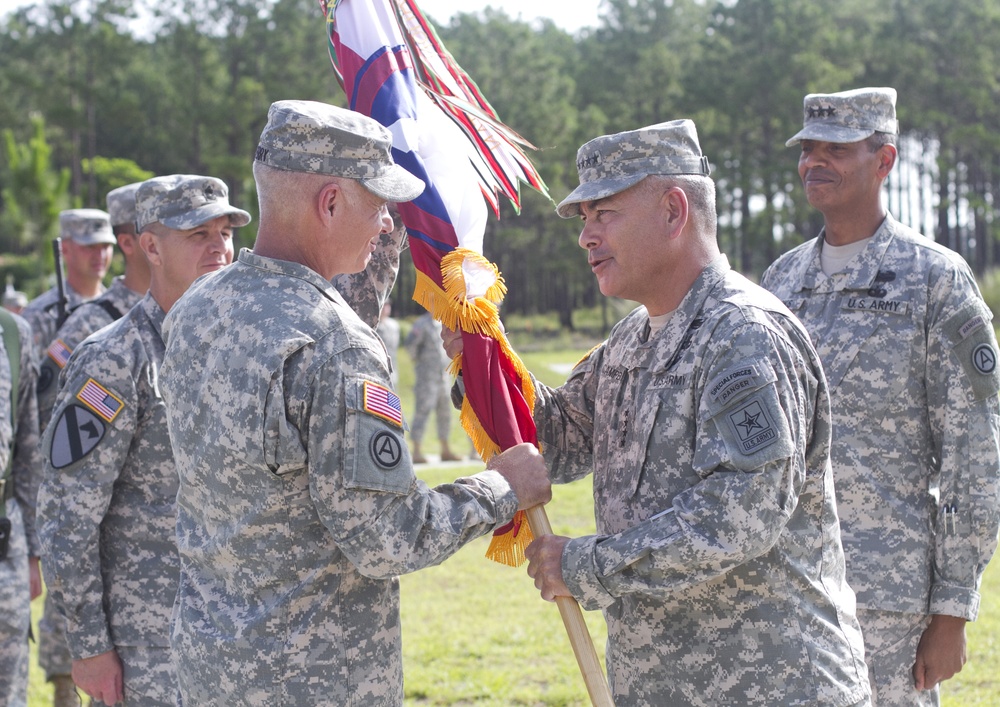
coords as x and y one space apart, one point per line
613 163
86 226
848 116
306 136
183 201
121 204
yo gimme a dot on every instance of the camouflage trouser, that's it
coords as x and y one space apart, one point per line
891 640
53 652
432 393
15 615
150 678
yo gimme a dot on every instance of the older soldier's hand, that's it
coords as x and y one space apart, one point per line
452 341
524 469
100 676
941 651
545 566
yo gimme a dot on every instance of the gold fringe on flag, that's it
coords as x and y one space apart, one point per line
481 315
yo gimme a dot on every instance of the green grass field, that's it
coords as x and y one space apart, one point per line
477 633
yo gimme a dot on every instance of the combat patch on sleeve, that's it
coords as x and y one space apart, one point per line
377 457
100 400
47 374
975 347
747 412
77 432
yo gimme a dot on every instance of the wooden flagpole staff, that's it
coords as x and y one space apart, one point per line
576 627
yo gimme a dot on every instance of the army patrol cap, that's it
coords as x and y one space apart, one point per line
306 136
183 201
848 116
121 204
86 227
612 163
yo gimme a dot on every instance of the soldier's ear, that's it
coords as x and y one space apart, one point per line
150 248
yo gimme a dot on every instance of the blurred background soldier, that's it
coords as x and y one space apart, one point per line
20 579
431 386
86 246
87 317
388 331
106 504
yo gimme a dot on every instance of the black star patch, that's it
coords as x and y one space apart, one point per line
386 449
753 427
77 432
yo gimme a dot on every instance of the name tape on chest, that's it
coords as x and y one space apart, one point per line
382 403
100 400
875 305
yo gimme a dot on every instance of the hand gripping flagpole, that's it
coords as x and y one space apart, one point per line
394 68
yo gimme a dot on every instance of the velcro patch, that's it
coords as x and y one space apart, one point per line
59 352
386 449
975 347
382 403
752 427
733 382
100 400
77 432
876 305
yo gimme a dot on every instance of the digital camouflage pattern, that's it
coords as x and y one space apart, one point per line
15 606
298 504
121 205
432 384
83 321
911 357
86 226
612 163
848 116
307 136
891 641
388 331
42 313
184 201
717 559
106 504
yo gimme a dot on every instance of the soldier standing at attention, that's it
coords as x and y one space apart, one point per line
87 317
106 504
705 421
431 386
87 245
298 505
20 473
909 350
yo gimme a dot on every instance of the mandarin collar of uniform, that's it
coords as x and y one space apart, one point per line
664 346
860 273
290 269
153 311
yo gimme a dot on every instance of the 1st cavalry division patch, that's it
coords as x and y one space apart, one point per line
100 400
77 432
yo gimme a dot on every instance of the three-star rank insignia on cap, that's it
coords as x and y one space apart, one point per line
383 403
100 400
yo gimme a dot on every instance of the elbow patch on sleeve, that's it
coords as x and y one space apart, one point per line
376 457
970 334
743 404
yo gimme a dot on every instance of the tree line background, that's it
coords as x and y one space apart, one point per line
92 98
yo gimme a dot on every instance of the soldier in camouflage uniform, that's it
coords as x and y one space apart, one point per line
20 578
87 246
431 385
388 331
704 419
911 356
106 504
125 292
298 504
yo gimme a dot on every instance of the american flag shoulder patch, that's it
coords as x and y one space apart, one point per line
100 400
59 352
382 402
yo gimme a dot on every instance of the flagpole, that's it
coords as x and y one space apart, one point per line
576 627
